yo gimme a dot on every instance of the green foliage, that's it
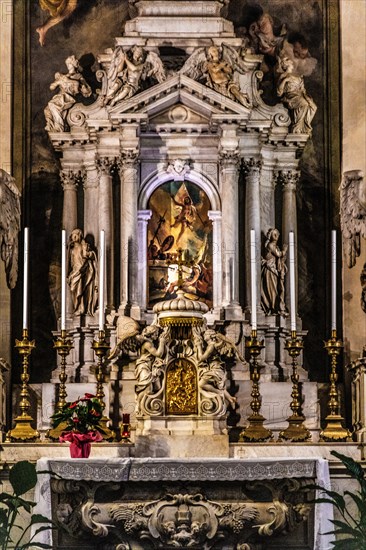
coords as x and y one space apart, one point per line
352 529
82 415
22 478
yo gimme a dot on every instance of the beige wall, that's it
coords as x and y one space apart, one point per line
353 42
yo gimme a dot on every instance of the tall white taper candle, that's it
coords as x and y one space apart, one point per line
253 279
292 281
25 278
334 279
63 279
101 278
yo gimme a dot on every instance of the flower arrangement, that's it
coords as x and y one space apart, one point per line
82 416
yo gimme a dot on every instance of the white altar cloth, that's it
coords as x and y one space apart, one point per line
160 469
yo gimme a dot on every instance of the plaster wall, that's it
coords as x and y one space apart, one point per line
353 42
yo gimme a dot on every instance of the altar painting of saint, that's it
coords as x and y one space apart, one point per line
179 231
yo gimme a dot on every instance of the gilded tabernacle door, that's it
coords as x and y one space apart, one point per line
181 387
179 229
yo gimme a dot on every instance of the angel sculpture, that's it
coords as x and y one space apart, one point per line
353 213
128 69
9 226
150 345
216 68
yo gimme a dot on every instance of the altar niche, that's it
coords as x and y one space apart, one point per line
179 229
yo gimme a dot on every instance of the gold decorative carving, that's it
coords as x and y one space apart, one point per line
181 387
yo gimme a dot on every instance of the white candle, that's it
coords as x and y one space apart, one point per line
101 278
292 281
63 279
25 278
334 279
253 278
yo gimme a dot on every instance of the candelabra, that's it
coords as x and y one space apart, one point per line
23 430
296 430
63 345
334 430
101 348
255 431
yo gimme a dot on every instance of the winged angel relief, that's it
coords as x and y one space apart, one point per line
216 67
127 71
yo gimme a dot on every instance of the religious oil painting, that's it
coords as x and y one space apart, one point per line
179 242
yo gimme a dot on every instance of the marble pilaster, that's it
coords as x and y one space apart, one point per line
106 221
69 181
143 217
91 185
252 170
216 217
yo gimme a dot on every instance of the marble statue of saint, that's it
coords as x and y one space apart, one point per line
273 275
70 85
216 67
291 88
58 10
9 226
127 70
82 274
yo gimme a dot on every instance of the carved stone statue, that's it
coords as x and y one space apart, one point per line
9 226
82 274
70 85
353 213
128 69
216 68
291 88
273 275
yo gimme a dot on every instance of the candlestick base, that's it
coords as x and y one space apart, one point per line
334 429
22 431
101 349
296 430
255 431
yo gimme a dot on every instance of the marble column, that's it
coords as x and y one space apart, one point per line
91 184
143 217
289 179
252 170
216 218
267 196
106 221
69 181
229 174
129 241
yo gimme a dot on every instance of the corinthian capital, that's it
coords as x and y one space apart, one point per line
289 179
251 166
105 165
129 157
70 179
229 157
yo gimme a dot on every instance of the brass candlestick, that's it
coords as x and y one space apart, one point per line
255 431
334 430
101 348
296 430
63 345
23 430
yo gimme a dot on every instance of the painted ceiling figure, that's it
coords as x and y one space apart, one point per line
58 10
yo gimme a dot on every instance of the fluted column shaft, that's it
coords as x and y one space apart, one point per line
143 217
216 217
70 180
252 170
289 180
91 192
106 221
129 244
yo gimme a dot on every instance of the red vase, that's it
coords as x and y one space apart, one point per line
80 443
80 449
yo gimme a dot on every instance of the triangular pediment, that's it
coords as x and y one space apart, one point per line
179 89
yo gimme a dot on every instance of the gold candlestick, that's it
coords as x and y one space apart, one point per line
23 430
255 431
334 430
296 430
101 348
63 345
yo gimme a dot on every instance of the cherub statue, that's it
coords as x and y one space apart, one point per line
58 10
273 275
9 226
128 69
70 85
291 88
82 274
353 213
150 345
216 67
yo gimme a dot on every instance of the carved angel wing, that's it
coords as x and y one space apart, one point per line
228 348
115 70
9 226
154 67
127 330
353 213
232 56
194 66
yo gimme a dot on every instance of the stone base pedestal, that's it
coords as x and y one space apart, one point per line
175 446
